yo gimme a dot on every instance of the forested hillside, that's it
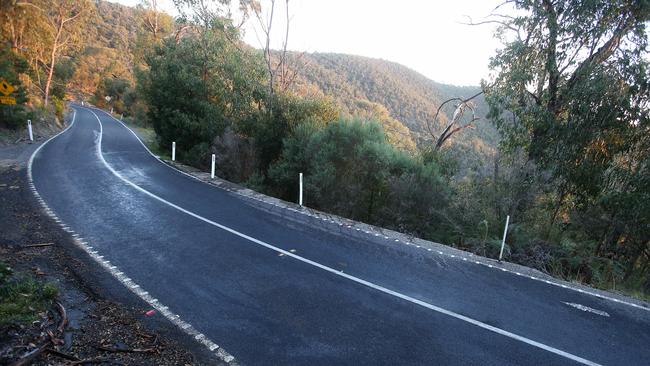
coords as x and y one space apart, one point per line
114 38
111 54
408 96
397 96
389 92
81 50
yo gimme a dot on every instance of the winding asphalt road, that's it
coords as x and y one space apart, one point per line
274 292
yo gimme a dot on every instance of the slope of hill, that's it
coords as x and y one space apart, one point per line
118 33
403 100
409 97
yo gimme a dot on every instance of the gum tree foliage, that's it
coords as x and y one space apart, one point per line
44 32
65 22
115 88
351 170
571 88
12 65
271 127
199 84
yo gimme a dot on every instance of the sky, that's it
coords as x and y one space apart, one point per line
425 35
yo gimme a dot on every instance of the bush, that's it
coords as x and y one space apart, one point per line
236 157
287 112
197 87
59 107
351 170
11 65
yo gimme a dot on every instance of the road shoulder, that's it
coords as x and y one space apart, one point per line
105 320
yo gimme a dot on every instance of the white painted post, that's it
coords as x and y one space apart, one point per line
300 191
29 128
174 151
111 110
122 117
82 103
503 242
212 169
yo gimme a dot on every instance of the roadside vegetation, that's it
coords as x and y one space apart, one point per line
22 297
562 146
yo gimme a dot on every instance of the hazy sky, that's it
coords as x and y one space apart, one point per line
424 35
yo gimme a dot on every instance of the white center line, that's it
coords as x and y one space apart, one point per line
339 273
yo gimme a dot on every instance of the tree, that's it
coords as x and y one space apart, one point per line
198 86
281 74
66 19
155 25
20 22
456 124
572 89
150 17
351 170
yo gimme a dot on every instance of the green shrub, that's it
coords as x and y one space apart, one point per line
22 297
351 170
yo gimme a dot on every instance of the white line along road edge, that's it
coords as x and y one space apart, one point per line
469 259
115 272
345 275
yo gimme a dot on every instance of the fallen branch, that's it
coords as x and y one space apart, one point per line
32 355
64 317
127 350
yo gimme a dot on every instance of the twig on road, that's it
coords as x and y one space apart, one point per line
37 245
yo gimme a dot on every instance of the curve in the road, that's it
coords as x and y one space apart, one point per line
341 273
316 264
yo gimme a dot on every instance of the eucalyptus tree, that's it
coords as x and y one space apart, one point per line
200 83
65 24
571 88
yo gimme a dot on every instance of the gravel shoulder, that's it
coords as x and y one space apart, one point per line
104 322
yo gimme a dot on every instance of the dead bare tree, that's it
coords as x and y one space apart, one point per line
457 123
278 71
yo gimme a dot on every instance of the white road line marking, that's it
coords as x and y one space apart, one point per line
587 309
342 274
175 319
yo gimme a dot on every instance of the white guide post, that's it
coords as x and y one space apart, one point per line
300 190
122 117
503 242
174 151
29 129
111 110
212 169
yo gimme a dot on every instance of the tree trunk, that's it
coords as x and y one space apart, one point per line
49 76
50 73
556 211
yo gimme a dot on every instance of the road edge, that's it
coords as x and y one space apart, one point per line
129 284
352 226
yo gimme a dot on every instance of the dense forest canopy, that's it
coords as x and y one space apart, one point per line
560 140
